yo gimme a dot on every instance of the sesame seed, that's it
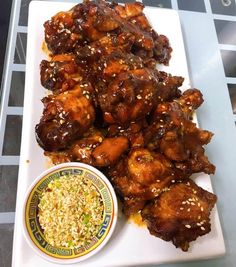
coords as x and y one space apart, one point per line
188 226
139 97
203 228
202 209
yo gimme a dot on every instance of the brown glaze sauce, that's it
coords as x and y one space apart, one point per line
137 220
46 50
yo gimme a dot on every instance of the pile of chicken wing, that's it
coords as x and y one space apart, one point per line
111 108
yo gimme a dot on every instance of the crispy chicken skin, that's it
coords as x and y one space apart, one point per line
111 108
181 214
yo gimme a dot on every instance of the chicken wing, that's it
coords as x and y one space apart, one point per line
181 214
60 74
142 176
66 116
93 148
131 96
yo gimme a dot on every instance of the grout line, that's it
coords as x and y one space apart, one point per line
9 160
20 49
224 17
18 67
227 47
208 7
14 110
7 217
174 4
23 29
230 80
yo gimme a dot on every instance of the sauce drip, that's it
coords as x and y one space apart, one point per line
137 219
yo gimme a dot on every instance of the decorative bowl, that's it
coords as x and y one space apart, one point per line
35 234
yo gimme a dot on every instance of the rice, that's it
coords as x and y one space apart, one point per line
70 211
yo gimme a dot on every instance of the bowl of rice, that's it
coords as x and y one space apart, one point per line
70 212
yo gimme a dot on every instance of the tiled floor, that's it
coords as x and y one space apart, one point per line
229 61
12 117
224 31
192 5
20 52
16 96
8 186
232 93
158 3
12 137
6 234
224 7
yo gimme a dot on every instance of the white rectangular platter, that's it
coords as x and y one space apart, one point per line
130 245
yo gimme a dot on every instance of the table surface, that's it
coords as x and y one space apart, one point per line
210 40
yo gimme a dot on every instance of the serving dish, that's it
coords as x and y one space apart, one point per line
33 231
130 245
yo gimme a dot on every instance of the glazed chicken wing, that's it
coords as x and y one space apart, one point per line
93 149
80 150
61 35
133 131
131 96
148 44
181 214
66 116
143 175
60 74
181 141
